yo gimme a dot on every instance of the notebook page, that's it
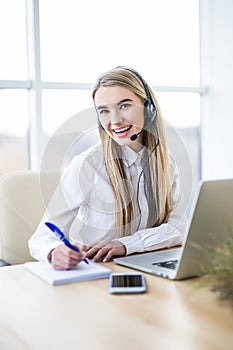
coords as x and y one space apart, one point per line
82 272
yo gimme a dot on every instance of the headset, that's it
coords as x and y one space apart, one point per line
150 111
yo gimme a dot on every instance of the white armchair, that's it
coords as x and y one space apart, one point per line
24 196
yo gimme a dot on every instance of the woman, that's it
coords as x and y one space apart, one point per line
121 196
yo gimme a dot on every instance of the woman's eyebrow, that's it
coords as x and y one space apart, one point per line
124 100
118 103
101 107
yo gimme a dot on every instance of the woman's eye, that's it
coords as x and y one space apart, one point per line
125 105
104 112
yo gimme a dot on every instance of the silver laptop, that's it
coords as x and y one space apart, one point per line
212 215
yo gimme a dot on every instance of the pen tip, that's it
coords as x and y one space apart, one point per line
49 225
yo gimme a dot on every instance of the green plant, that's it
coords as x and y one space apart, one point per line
218 275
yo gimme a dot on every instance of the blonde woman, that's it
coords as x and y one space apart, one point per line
123 195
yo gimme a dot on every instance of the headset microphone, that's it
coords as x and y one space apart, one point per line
135 136
150 111
150 115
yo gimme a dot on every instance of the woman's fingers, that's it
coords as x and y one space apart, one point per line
64 258
105 250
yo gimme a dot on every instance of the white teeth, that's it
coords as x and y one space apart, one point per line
122 130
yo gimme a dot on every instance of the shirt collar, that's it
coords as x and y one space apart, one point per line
130 157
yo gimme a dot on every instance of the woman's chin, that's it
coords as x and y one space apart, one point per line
123 142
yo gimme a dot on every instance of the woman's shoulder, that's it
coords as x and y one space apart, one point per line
92 156
172 166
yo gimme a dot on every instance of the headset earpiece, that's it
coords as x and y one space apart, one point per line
150 112
150 108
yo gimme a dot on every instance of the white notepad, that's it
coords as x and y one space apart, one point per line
82 272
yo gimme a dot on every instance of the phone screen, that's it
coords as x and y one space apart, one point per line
127 283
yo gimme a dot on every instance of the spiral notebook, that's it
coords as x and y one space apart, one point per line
82 272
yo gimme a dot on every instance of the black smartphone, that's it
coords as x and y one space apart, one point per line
127 283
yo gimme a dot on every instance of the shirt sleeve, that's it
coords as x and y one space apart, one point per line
61 211
167 234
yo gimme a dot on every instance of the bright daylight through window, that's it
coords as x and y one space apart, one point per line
73 45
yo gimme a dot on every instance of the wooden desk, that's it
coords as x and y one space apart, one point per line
84 316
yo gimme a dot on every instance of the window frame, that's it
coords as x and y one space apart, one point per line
35 85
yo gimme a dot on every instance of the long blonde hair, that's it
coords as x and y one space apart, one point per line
156 173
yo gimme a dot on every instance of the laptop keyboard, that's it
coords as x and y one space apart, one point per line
170 264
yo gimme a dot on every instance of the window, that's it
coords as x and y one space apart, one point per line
14 123
73 42
159 38
13 63
13 130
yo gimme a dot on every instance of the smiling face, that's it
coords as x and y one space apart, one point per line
121 114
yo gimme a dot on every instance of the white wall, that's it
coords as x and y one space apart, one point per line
217 75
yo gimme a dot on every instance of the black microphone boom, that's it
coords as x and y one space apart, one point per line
135 136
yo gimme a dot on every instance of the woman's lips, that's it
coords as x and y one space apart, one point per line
123 131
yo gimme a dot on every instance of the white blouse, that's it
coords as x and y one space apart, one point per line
83 206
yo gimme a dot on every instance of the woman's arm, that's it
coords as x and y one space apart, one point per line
166 235
62 210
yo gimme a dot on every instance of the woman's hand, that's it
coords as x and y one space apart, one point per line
105 250
64 258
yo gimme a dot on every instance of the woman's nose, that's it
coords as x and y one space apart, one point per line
116 117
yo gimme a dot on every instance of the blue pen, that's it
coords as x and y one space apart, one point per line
62 237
